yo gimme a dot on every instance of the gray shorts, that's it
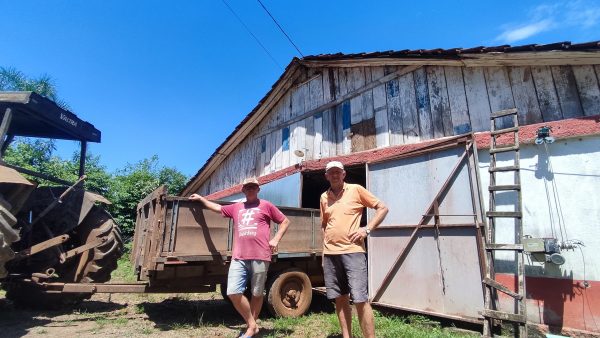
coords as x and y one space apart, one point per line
242 271
346 274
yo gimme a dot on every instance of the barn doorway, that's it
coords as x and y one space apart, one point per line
314 184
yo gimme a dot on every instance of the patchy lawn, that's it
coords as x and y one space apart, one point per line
192 315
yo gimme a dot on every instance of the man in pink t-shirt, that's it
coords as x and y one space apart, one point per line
251 248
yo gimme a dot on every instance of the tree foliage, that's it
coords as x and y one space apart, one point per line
134 182
12 79
125 187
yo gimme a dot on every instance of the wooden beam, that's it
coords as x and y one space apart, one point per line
348 96
469 60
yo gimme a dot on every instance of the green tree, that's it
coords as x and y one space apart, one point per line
38 155
12 79
134 182
125 188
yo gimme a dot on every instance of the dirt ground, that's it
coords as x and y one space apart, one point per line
130 315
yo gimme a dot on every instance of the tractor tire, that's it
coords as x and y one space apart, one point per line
94 266
289 294
8 235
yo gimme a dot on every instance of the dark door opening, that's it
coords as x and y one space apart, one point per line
314 184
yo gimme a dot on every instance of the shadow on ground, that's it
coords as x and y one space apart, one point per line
17 322
177 312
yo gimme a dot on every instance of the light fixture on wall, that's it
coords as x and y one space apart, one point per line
543 135
300 154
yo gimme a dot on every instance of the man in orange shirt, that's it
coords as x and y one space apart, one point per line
344 254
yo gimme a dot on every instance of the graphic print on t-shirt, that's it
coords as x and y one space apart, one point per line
247 225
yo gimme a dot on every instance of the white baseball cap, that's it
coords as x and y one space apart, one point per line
334 164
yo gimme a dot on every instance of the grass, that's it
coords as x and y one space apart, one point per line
199 320
124 271
326 324
311 325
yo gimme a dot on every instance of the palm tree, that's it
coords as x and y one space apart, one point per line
12 79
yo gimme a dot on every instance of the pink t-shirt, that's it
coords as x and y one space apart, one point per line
252 223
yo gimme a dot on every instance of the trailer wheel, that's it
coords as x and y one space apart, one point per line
289 294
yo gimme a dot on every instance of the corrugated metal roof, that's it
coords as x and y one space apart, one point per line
454 52
438 53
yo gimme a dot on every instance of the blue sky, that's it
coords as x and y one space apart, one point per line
174 78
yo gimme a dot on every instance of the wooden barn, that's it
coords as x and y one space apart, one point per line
365 108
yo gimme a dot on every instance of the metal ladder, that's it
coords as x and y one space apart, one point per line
491 313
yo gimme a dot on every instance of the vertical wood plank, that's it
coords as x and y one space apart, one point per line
318 139
500 93
426 129
274 146
339 130
438 98
285 147
346 123
394 112
546 93
367 97
299 100
294 144
587 85
379 93
315 88
477 98
268 154
408 105
327 76
526 100
263 154
380 110
341 82
566 88
357 80
457 99
309 152
329 136
278 152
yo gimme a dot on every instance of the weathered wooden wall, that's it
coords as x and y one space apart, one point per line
338 111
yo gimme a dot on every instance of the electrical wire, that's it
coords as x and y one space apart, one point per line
252 34
559 212
585 282
280 28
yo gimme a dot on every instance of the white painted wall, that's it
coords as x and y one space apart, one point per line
562 186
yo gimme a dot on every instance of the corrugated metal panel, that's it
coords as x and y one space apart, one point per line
441 273
409 185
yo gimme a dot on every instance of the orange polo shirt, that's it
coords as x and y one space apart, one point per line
340 216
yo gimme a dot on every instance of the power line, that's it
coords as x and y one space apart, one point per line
281 28
250 32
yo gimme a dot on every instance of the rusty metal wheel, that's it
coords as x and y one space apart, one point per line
8 235
289 294
93 266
